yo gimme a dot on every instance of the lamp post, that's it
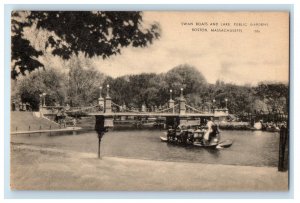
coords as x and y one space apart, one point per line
100 92
181 92
182 108
107 95
101 100
107 101
44 99
226 102
41 100
214 101
171 101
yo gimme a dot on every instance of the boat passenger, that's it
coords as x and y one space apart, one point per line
178 133
183 134
212 131
171 134
198 134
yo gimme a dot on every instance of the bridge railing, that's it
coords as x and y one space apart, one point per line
173 109
87 109
115 108
119 108
190 109
163 109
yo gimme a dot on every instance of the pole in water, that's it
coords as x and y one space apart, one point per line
100 129
100 135
99 143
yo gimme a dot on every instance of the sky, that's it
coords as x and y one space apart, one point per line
251 54
257 51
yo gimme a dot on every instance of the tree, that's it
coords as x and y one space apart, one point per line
23 56
50 82
82 83
185 76
153 90
136 90
275 95
71 32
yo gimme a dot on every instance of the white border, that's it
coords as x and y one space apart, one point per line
294 77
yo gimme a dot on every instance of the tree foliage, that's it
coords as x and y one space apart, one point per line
135 90
275 95
23 55
153 89
92 33
186 77
80 87
50 82
83 85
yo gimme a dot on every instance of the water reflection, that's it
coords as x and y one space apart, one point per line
214 152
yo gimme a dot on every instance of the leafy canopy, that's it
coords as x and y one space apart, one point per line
92 33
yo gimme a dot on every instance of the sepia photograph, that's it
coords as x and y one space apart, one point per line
150 101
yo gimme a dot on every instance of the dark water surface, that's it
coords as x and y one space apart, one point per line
255 148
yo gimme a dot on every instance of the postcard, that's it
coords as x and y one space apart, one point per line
150 100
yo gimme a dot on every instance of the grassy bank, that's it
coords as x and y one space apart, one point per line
36 168
24 121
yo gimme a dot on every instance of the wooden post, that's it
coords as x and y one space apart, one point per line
283 149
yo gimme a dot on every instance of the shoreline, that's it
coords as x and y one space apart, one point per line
56 169
67 129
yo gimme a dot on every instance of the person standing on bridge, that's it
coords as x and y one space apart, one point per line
74 122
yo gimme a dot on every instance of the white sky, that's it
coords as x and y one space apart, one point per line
240 58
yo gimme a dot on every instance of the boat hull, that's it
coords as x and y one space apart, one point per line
222 144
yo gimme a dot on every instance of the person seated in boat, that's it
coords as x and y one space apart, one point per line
212 133
181 134
215 135
198 134
184 137
171 134
177 133
190 135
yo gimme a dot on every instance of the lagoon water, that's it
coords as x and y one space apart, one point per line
250 148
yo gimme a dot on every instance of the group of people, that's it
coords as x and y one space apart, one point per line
205 135
273 126
62 119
